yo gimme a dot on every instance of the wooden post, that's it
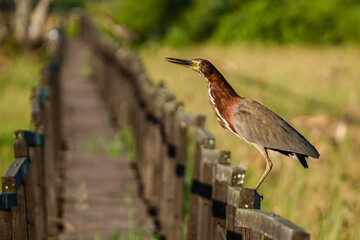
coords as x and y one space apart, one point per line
239 197
21 148
209 158
36 152
37 162
167 208
155 116
5 223
150 146
13 182
180 160
204 139
20 213
49 162
224 175
35 186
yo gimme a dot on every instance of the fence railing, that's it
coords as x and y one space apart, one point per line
220 206
30 202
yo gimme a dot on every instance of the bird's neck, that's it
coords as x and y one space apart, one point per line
221 98
220 87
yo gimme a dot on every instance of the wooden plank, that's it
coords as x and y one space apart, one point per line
22 141
250 234
157 116
11 183
5 224
19 217
19 146
15 175
180 133
58 142
151 109
239 197
13 224
144 150
36 120
224 175
272 225
31 205
167 210
204 139
37 163
190 119
36 142
209 158
151 140
50 172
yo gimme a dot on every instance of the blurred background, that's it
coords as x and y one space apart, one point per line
300 58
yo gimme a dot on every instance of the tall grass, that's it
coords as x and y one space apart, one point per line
317 91
18 73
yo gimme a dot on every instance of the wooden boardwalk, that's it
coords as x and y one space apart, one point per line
101 190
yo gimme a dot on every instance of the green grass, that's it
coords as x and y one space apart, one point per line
317 91
18 74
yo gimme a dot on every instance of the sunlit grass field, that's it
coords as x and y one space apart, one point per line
18 74
317 91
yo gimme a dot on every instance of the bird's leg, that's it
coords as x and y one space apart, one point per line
269 165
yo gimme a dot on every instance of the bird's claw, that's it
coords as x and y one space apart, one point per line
261 197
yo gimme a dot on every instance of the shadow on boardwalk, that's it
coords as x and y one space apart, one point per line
101 191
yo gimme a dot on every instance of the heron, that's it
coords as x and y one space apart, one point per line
249 120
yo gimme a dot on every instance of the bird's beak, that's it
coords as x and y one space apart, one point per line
192 64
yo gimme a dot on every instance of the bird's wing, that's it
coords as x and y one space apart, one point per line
258 124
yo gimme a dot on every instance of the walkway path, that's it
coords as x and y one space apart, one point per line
101 190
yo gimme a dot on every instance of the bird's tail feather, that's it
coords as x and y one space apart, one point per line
302 159
299 156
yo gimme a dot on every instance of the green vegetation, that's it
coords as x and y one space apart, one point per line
315 22
180 23
18 73
317 91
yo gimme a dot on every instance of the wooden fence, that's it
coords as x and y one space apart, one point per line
220 206
30 202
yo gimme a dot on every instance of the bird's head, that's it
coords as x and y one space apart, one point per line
202 66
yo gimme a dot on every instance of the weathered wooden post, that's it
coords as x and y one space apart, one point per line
239 197
7 200
35 143
180 143
151 146
13 182
167 208
50 157
204 139
209 158
35 193
223 176
183 121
